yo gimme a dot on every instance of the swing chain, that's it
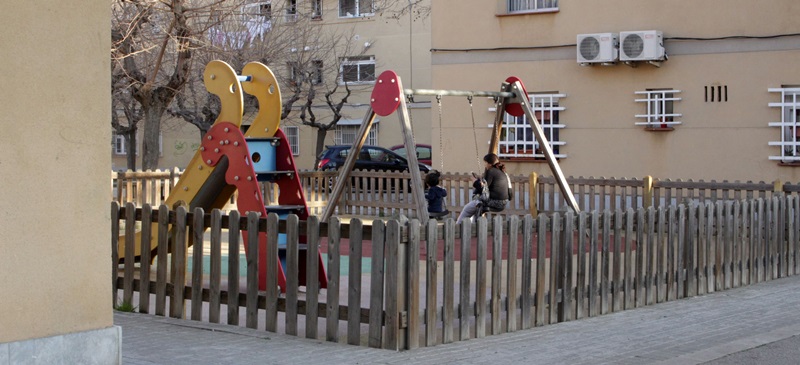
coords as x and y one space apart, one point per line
441 132
474 132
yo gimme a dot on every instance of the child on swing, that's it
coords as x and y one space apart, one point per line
497 186
435 195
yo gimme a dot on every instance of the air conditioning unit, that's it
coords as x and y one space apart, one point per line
597 48
645 45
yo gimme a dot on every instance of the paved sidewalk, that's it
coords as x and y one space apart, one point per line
687 331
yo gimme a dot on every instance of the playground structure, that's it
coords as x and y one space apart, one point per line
229 160
389 97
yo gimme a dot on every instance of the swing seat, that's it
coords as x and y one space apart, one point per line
438 215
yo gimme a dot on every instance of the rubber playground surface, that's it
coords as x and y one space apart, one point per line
366 249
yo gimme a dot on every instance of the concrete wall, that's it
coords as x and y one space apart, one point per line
724 140
54 162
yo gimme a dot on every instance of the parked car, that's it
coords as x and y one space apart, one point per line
370 158
423 152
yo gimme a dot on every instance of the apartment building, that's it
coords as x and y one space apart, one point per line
382 35
625 88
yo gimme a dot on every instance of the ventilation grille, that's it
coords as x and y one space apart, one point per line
633 46
590 48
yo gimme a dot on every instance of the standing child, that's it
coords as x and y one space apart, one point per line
435 195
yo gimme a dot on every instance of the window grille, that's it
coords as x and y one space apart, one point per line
525 6
789 142
346 134
659 108
291 11
293 136
516 136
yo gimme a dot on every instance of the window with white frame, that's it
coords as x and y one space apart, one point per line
529 6
356 8
120 145
316 9
298 74
346 134
291 11
516 136
357 70
293 136
789 141
660 111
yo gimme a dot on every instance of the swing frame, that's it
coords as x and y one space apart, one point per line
388 97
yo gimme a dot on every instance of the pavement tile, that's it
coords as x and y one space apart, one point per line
686 331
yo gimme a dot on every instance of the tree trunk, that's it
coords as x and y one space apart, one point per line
152 130
321 134
130 140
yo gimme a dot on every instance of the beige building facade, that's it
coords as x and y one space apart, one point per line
379 41
55 305
721 105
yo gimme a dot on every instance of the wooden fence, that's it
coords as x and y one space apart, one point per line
381 194
402 286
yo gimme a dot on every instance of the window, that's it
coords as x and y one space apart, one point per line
346 134
312 75
529 6
265 10
356 8
291 10
660 114
316 72
516 135
789 142
359 69
120 146
293 135
316 9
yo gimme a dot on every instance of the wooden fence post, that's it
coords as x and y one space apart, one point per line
647 192
533 180
777 186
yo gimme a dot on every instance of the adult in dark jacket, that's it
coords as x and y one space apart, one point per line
497 185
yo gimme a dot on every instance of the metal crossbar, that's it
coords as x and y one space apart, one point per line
467 93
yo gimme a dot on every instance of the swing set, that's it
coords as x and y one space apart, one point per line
389 97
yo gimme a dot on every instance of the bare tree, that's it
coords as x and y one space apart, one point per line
305 54
152 47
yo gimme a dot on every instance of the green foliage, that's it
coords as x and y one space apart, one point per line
126 307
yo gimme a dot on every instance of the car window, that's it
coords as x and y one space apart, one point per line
423 153
401 151
343 153
365 155
386 157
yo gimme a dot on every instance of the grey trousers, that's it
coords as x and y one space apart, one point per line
470 210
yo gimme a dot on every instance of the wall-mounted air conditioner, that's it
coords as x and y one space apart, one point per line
597 48
644 45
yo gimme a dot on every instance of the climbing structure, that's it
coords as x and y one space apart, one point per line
229 160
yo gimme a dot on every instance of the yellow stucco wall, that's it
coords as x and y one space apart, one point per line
723 140
54 163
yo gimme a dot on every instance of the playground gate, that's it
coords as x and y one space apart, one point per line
422 286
